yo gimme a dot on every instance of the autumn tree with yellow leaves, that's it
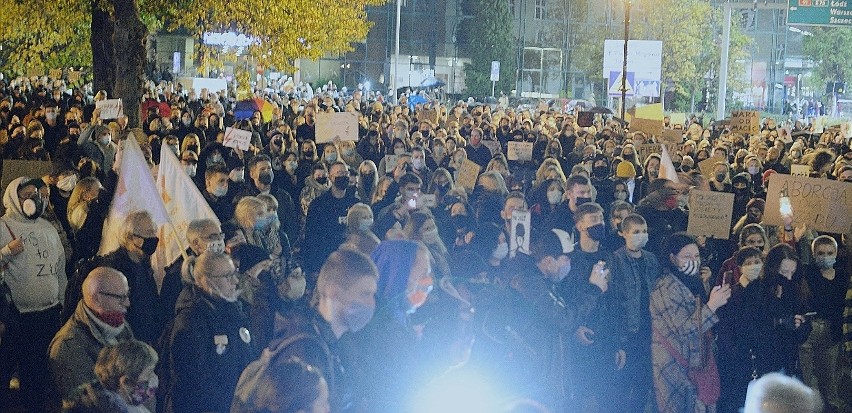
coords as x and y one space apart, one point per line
111 35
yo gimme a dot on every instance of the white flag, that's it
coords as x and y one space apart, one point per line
667 169
183 202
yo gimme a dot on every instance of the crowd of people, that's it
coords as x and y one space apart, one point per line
364 277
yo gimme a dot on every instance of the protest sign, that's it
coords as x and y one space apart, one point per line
237 138
110 108
821 204
55 74
16 168
340 125
646 149
671 136
710 213
650 127
745 121
677 119
468 172
585 119
519 151
800 170
706 166
73 76
493 146
520 237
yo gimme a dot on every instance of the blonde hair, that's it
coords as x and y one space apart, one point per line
83 187
246 211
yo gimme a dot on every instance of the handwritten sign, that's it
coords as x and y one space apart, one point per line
677 119
672 136
468 172
110 108
710 213
821 204
520 237
493 146
73 76
745 121
237 138
341 125
650 127
706 166
646 149
519 151
55 74
800 170
390 162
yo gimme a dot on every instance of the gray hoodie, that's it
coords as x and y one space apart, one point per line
36 276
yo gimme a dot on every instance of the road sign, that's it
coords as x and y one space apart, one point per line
495 71
614 85
644 58
820 12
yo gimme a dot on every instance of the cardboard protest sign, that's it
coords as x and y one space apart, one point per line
821 204
390 162
468 173
706 166
646 149
340 125
519 151
520 237
710 213
800 170
15 169
652 112
745 121
237 138
650 127
677 119
55 74
671 136
110 108
73 76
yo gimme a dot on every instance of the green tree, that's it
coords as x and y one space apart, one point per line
829 49
487 37
110 35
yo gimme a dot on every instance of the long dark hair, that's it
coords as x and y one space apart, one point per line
771 278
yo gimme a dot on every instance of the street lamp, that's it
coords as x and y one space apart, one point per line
627 4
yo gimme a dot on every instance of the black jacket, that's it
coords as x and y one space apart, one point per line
325 228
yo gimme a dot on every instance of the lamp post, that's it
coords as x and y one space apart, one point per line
396 53
627 4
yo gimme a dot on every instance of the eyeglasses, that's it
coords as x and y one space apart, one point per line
119 297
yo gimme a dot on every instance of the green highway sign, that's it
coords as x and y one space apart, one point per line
820 12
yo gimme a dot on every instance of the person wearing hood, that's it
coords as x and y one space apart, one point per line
660 208
33 261
100 147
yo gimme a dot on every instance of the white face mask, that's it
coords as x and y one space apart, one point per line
417 163
297 288
752 271
365 225
237 175
190 169
67 183
216 246
501 251
636 242
220 191
553 197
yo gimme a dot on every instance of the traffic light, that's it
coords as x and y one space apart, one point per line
835 87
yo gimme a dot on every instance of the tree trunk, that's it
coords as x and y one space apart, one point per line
103 52
129 37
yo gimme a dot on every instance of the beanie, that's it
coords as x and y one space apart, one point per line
625 169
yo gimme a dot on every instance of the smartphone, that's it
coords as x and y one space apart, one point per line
786 208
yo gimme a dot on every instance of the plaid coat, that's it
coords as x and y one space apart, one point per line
675 316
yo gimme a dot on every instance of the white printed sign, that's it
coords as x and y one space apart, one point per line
341 125
237 138
520 236
519 151
110 108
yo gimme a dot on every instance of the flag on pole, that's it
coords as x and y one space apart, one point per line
667 169
183 203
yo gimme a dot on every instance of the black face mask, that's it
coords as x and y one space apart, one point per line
193 148
265 178
581 201
322 180
149 245
308 154
600 171
341 182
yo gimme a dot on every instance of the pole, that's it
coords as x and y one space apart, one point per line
396 52
624 66
723 65
493 83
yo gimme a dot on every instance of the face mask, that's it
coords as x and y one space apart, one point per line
103 140
554 197
348 152
439 151
357 316
720 177
637 241
501 251
292 165
220 191
144 391
365 225
237 175
190 169
215 159
216 246
597 232
752 170
51 116
653 173
192 148
186 122
670 202
825 262
581 201
67 183
751 271
600 171
690 268
262 222
33 207
621 195
341 182
149 245
297 288
398 151
417 163
417 297
685 168
266 177
563 271
112 318
308 154
332 157
322 180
